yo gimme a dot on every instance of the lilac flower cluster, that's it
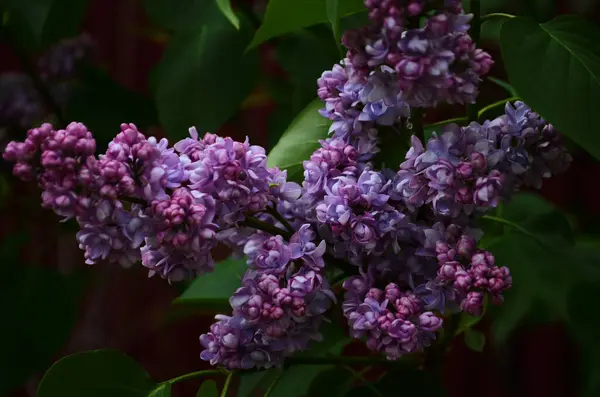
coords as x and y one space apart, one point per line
468 169
278 309
177 198
393 321
405 240
435 63
391 66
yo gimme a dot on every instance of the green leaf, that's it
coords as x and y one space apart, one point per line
333 16
304 55
475 340
439 126
555 67
27 19
102 104
257 383
393 147
211 291
163 390
541 276
208 389
284 16
63 20
334 382
39 311
523 206
201 84
97 373
296 380
182 15
509 88
491 29
225 7
299 141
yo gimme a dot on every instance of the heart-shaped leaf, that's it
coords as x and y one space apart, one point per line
212 291
284 16
555 68
97 373
299 141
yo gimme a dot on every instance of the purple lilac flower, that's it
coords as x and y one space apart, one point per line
185 236
278 309
392 321
236 176
470 169
436 63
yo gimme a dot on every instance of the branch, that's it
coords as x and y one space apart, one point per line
133 200
265 227
275 214
416 114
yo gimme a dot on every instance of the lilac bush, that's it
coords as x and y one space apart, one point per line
401 242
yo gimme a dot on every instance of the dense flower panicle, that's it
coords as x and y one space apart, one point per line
279 307
184 236
181 195
55 158
469 169
436 63
465 274
110 233
357 104
235 174
392 321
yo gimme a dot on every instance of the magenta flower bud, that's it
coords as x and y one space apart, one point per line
447 271
392 292
472 303
465 246
376 294
485 259
415 8
478 161
430 322
462 280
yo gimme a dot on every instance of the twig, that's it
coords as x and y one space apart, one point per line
133 200
265 227
227 383
275 214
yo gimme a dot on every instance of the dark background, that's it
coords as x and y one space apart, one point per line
122 309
